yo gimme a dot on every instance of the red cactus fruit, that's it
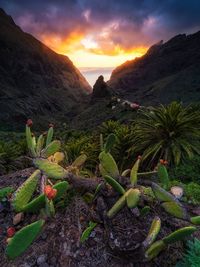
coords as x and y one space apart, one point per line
139 157
29 123
47 189
51 125
50 192
165 162
10 231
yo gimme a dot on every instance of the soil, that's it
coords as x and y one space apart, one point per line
113 243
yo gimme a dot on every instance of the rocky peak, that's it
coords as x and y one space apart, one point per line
100 89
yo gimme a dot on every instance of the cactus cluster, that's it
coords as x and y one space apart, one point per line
131 197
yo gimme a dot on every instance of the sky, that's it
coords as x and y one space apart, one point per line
103 33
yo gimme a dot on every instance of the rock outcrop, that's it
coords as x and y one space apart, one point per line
34 80
167 72
100 89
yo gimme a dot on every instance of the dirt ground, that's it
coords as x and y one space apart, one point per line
113 243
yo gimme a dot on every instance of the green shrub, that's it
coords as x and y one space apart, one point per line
192 255
169 132
188 171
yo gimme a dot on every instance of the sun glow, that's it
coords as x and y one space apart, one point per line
84 51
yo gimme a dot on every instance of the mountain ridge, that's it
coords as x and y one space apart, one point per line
35 80
168 71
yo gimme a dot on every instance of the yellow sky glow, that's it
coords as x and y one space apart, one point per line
85 52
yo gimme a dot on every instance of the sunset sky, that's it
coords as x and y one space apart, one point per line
103 33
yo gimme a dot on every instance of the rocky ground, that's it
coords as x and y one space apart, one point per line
113 242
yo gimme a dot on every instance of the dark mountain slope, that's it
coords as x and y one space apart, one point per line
167 72
34 80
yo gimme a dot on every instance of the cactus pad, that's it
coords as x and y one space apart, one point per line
117 206
51 149
162 194
179 234
25 191
163 176
110 142
175 209
108 163
132 197
154 250
23 239
134 172
153 232
52 170
114 184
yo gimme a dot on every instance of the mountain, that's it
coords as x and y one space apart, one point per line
168 71
35 81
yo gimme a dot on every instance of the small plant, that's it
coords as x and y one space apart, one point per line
86 233
192 256
22 239
131 198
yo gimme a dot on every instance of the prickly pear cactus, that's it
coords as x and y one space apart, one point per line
25 191
52 170
23 239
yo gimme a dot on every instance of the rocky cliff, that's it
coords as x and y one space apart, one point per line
168 71
34 80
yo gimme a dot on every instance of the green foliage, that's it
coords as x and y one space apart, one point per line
5 191
49 136
23 239
163 176
39 202
51 148
25 191
153 232
52 170
114 184
108 164
175 209
117 206
192 256
85 235
134 172
188 171
10 151
192 192
179 234
132 197
170 132
154 249
111 139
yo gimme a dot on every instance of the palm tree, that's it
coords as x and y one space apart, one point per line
170 132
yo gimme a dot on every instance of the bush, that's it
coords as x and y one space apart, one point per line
187 172
192 255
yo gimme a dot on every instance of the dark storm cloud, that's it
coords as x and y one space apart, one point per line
127 23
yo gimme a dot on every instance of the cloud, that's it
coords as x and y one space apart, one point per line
104 27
